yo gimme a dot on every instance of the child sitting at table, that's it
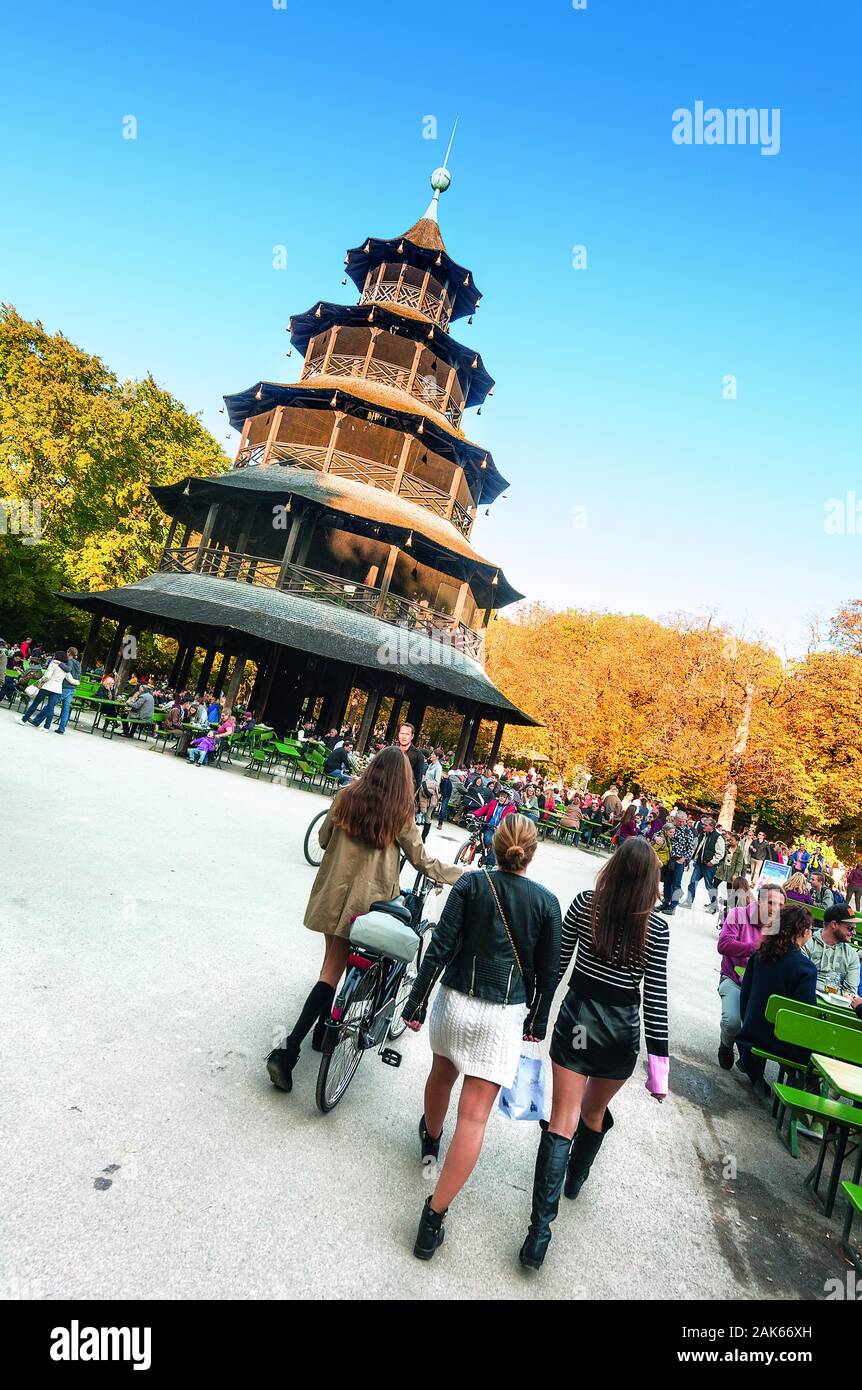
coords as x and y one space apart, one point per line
201 749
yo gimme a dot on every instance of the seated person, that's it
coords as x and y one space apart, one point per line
779 966
796 889
173 716
821 896
141 707
834 953
340 763
201 749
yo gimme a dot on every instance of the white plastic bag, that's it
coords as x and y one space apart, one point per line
525 1098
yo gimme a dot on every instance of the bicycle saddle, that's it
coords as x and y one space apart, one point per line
395 908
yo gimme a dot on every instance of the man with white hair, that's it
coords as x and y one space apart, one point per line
681 851
708 854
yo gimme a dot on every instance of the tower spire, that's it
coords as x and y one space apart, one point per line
441 179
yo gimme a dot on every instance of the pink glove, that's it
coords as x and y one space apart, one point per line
657 1075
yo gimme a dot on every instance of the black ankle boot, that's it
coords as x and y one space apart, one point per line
586 1145
430 1233
280 1064
547 1186
430 1147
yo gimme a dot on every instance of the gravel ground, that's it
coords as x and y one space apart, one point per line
153 947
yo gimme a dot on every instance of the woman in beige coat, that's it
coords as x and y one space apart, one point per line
368 825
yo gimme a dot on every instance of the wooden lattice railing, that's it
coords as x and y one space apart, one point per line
219 563
382 475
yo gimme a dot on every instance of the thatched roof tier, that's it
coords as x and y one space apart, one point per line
438 435
463 294
195 603
356 507
475 381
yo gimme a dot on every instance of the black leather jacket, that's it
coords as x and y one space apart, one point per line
471 949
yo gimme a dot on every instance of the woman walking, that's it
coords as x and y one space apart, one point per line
370 821
498 947
620 941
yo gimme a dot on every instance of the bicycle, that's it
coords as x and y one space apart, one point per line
367 1011
474 845
312 848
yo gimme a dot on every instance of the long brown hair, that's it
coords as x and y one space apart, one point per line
623 898
793 922
378 804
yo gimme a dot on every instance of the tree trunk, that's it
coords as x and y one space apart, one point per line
737 756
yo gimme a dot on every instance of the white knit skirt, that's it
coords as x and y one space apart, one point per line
479 1037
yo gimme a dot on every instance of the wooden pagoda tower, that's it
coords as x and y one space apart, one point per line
336 553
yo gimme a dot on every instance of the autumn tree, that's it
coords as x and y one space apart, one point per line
79 450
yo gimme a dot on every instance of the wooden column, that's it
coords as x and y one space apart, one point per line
263 687
415 714
415 367
450 380
333 439
402 461
386 580
495 746
461 601
169 538
369 352
127 662
474 734
463 739
330 348
243 439
289 548
206 534
277 416
90 644
218 686
394 721
453 493
178 661
235 679
114 649
206 671
369 719
186 665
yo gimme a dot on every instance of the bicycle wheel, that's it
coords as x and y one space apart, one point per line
408 980
312 848
339 1068
466 853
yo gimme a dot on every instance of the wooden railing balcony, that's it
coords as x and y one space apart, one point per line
345 465
433 305
424 388
408 614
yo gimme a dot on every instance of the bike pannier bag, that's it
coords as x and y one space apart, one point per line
384 934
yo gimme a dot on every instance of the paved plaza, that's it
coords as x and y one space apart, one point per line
152 951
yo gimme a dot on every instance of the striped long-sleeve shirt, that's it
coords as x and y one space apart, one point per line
619 984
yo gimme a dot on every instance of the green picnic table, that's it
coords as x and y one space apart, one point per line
844 1078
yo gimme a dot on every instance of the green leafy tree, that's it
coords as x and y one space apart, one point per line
79 449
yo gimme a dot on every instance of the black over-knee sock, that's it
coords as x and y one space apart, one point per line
318 1002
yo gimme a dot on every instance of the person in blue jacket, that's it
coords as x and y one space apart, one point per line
778 966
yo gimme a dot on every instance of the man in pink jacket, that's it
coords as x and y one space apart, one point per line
737 942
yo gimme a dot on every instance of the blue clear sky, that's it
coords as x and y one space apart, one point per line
304 126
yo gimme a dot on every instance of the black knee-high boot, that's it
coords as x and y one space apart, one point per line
586 1145
547 1185
282 1060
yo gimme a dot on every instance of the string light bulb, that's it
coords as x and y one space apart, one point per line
317 312
409 541
258 395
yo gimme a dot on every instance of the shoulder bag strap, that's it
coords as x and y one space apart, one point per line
505 923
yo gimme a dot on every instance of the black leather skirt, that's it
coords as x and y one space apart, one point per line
596 1039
